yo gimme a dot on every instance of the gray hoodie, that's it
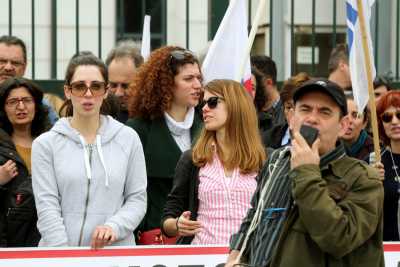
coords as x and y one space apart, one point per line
77 188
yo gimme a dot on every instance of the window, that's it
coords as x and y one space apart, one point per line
323 47
130 16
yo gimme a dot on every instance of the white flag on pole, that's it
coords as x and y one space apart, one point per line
358 71
226 50
145 50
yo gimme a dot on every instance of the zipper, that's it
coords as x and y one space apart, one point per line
90 148
84 214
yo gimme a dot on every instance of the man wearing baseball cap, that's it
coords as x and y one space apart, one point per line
314 206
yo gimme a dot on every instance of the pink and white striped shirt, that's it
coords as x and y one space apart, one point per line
223 202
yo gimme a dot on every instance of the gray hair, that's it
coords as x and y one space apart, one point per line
126 48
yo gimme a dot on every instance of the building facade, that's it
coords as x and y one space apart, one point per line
298 34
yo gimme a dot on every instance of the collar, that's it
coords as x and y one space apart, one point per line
178 128
275 103
334 154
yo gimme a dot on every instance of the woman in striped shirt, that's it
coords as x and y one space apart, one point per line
214 183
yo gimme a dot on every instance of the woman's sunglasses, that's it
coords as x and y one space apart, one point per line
181 54
388 116
212 102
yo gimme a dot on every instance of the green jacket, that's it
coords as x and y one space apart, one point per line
162 154
337 220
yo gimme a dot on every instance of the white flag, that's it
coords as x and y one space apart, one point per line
145 51
357 63
226 50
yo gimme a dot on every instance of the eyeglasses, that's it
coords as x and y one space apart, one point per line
212 102
15 63
388 116
13 102
114 85
96 88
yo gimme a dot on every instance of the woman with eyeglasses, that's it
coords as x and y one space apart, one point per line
22 119
388 113
214 182
164 93
89 175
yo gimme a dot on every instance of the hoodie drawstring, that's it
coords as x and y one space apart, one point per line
86 157
87 162
100 150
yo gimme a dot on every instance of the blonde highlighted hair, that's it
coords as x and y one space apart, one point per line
245 148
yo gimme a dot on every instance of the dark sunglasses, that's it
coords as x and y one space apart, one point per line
212 102
181 54
96 88
388 116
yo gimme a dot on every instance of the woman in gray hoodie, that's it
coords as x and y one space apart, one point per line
88 171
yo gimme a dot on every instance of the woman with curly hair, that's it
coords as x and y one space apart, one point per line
22 118
163 95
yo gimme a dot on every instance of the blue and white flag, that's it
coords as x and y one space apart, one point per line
357 62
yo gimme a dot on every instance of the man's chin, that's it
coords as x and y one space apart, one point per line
2 79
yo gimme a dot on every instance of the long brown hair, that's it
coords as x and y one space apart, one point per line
242 136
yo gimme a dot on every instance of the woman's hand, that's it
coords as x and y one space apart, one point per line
185 226
381 169
103 235
8 171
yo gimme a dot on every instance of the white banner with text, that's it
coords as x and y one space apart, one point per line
140 256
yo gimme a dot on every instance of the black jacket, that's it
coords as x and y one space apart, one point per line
273 137
272 117
184 193
162 154
17 206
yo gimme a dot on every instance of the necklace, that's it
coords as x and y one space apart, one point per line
394 167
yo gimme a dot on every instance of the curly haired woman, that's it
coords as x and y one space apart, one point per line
163 96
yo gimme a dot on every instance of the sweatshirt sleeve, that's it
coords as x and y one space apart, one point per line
129 216
47 198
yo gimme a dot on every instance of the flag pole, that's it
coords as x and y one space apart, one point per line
371 98
252 35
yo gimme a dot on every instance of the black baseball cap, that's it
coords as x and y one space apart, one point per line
323 85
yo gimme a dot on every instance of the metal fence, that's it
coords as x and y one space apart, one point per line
215 18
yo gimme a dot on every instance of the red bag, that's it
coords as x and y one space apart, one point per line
155 237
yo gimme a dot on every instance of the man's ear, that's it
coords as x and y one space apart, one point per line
343 65
67 92
268 83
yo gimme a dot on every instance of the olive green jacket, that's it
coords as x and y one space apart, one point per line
337 220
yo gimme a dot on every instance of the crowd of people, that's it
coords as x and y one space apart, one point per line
145 153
